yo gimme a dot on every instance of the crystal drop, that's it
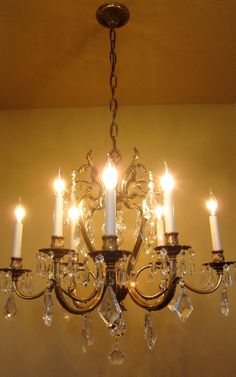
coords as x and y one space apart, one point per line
118 327
224 305
183 307
149 332
10 310
47 319
211 279
109 309
227 279
7 284
48 308
86 276
182 266
116 357
88 328
50 270
149 231
84 341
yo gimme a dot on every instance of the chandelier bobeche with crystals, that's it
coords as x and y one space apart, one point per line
85 278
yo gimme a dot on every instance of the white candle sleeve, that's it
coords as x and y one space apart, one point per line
160 232
58 217
17 241
110 212
169 212
215 234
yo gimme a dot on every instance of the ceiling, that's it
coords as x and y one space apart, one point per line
55 54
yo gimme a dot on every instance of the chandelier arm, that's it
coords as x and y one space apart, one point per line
202 291
86 237
159 303
148 297
78 310
25 297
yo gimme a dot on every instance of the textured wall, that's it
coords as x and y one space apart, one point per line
198 142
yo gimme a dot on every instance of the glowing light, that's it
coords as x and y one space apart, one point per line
212 204
167 181
20 213
110 176
59 185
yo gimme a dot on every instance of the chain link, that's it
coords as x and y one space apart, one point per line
113 101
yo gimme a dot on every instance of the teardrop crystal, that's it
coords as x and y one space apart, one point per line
10 310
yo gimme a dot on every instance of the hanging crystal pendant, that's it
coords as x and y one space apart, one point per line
192 264
227 279
99 262
149 332
149 231
122 278
164 269
118 327
48 308
7 283
182 264
224 304
109 309
183 307
87 336
10 310
116 356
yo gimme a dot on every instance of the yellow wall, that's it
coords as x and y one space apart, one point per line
198 142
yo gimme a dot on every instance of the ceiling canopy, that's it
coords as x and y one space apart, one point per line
55 54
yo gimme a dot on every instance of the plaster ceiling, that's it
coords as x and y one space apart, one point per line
54 53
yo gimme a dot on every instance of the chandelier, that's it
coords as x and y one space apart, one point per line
85 277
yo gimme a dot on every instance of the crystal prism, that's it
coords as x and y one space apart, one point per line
88 329
183 307
149 332
118 327
116 357
48 308
84 341
10 310
110 309
224 305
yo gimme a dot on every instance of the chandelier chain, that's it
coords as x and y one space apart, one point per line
115 154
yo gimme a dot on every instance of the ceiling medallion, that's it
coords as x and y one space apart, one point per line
110 273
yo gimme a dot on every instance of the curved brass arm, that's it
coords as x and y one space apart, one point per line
202 291
136 249
86 237
79 309
161 302
25 297
73 297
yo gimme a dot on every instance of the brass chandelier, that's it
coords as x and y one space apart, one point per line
84 277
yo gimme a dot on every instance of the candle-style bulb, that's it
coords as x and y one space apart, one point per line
59 185
212 204
167 181
19 213
110 176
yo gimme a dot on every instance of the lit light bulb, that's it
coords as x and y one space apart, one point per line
59 185
74 213
159 212
167 181
110 176
20 213
212 204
